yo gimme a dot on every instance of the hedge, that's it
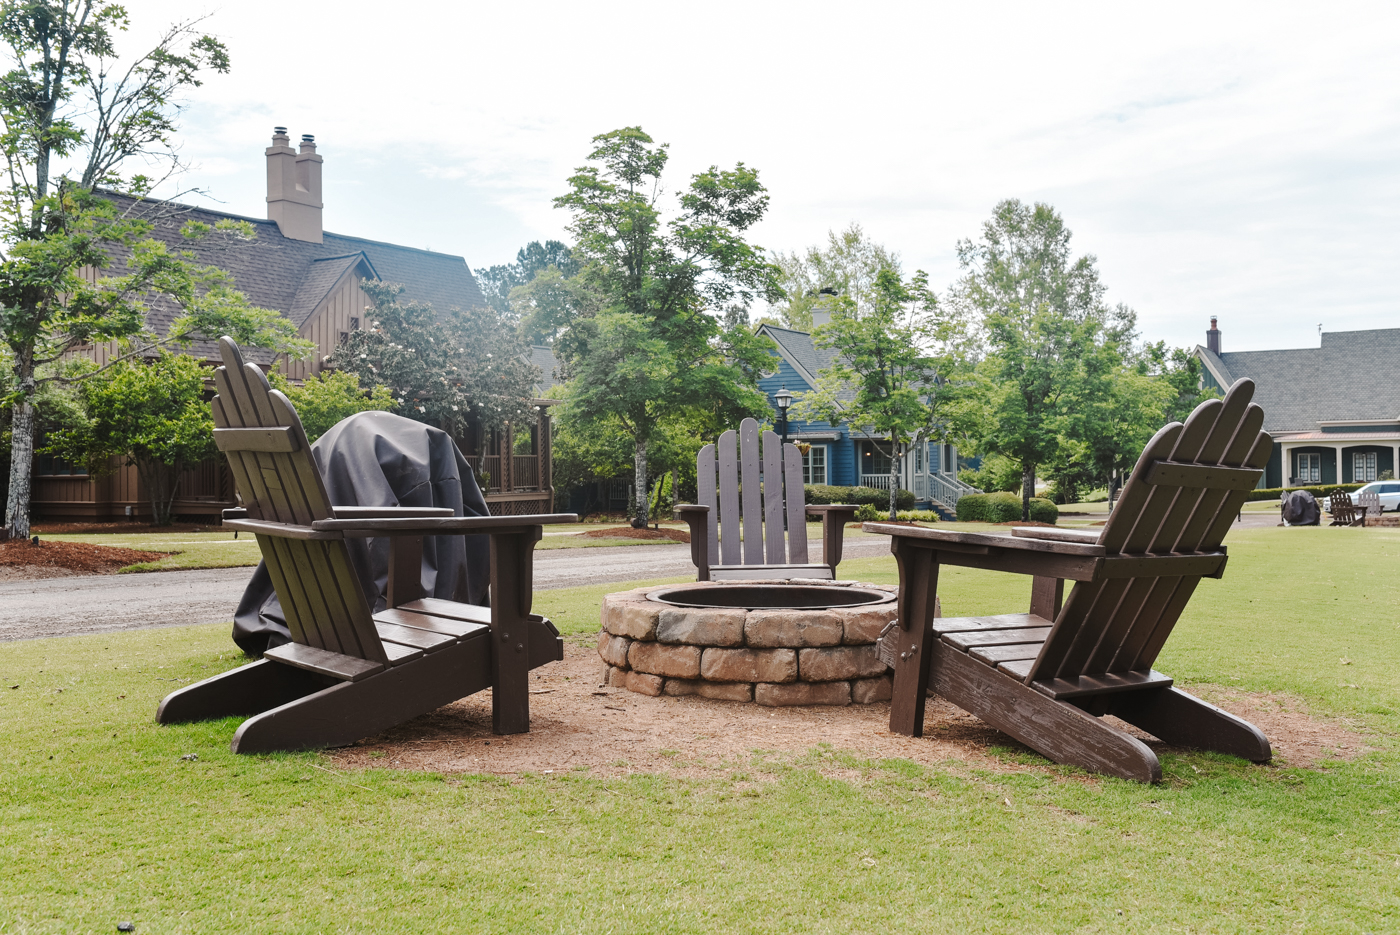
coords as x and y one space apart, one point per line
1322 492
825 493
1003 508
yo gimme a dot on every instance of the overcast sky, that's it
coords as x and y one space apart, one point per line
1229 159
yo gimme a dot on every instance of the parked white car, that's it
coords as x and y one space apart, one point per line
1389 491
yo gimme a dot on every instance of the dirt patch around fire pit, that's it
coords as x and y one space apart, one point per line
627 532
578 724
21 559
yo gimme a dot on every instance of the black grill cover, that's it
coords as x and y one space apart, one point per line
1300 509
380 459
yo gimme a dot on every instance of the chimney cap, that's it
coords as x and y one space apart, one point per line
311 138
279 129
1212 323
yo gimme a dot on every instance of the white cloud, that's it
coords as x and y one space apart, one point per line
1231 160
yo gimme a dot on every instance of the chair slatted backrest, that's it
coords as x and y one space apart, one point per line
1169 506
258 430
748 506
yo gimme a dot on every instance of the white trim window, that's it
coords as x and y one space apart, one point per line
1310 468
814 465
1363 467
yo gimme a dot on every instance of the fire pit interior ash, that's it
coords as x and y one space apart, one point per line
770 596
799 642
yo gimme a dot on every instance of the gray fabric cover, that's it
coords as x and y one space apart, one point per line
1300 509
380 459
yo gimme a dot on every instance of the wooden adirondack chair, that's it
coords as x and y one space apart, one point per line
736 531
349 673
1344 512
1045 677
1369 504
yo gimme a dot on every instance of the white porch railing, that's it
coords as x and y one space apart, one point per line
878 481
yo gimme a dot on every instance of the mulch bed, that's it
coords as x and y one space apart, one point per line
87 529
627 532
898 522
75 557
1024 522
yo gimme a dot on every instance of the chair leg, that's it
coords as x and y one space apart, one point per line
251 689
348 711
1055 729
1184 720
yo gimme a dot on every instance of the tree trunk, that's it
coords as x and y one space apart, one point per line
1027 490
21 464
161 481
640 457
894 481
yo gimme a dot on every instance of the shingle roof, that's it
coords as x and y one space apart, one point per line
1351 377
319 280
543 357
799 348
280 273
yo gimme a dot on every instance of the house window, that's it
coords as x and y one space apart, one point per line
1363 467
54 466
873 461
1310 468
354 324
814 465
919 459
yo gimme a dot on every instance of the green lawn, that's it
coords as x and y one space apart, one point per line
101 820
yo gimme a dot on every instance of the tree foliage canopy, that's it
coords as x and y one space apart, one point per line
847 266
151 414
446 368
652 329
71 117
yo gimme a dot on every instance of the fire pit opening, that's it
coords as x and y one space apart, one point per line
770 596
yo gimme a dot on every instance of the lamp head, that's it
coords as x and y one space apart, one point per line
783 398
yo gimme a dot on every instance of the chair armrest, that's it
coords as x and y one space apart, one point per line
388 512
834 516
821 509
697 518
235 513
440 525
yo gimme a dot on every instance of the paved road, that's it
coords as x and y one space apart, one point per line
103 603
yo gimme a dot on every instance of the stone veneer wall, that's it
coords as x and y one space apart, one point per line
772 657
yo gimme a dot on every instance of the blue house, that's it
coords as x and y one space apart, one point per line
843 455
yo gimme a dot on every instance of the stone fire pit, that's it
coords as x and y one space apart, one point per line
798 642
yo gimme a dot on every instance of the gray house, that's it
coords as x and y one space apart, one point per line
1334 410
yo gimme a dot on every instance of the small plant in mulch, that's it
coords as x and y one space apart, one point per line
79 557
627 532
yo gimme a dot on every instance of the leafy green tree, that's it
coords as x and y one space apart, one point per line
324 399
1047 332
151 414
447 368
532 259
66 102
847 266
655 333
887 374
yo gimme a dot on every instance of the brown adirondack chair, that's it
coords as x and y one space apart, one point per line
1344 512
737 528
1046 677
349 673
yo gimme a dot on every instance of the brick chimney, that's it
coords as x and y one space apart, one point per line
294 187
1213 337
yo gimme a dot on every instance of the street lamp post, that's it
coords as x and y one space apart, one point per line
784 399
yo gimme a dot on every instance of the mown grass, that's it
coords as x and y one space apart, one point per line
101 820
